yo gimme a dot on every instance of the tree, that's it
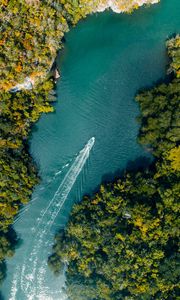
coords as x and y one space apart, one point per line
122 243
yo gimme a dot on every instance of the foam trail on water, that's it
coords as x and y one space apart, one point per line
46 184
70 177
15 282
31 270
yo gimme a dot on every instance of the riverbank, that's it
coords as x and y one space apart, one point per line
28 53
34 50
120 31
122 241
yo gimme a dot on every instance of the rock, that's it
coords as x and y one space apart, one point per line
56 74
27 85
119 6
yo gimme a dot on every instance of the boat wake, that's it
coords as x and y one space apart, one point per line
33 271
46 184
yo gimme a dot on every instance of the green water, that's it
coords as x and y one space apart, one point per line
107 58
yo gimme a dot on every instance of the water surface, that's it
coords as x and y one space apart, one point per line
107 58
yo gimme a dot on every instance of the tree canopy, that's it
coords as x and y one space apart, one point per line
122 242
31 33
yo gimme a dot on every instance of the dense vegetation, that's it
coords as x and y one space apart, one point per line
29 40
18 173
122 243
31 32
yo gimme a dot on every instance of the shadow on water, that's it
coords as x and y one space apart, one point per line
163 80
13 237
140 164
14 242
3 270
3 274
1 297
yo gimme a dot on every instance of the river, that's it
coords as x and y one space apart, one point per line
92 136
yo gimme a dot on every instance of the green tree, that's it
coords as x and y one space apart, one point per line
122 243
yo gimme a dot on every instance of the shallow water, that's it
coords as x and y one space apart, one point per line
107 58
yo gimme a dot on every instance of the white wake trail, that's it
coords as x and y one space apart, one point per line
15 282
46 184
31 274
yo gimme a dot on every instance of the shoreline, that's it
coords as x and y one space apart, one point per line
31 85
116 6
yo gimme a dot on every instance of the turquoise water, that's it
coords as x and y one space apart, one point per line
92 135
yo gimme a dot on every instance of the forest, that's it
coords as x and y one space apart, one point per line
31 33
122 242
28 41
